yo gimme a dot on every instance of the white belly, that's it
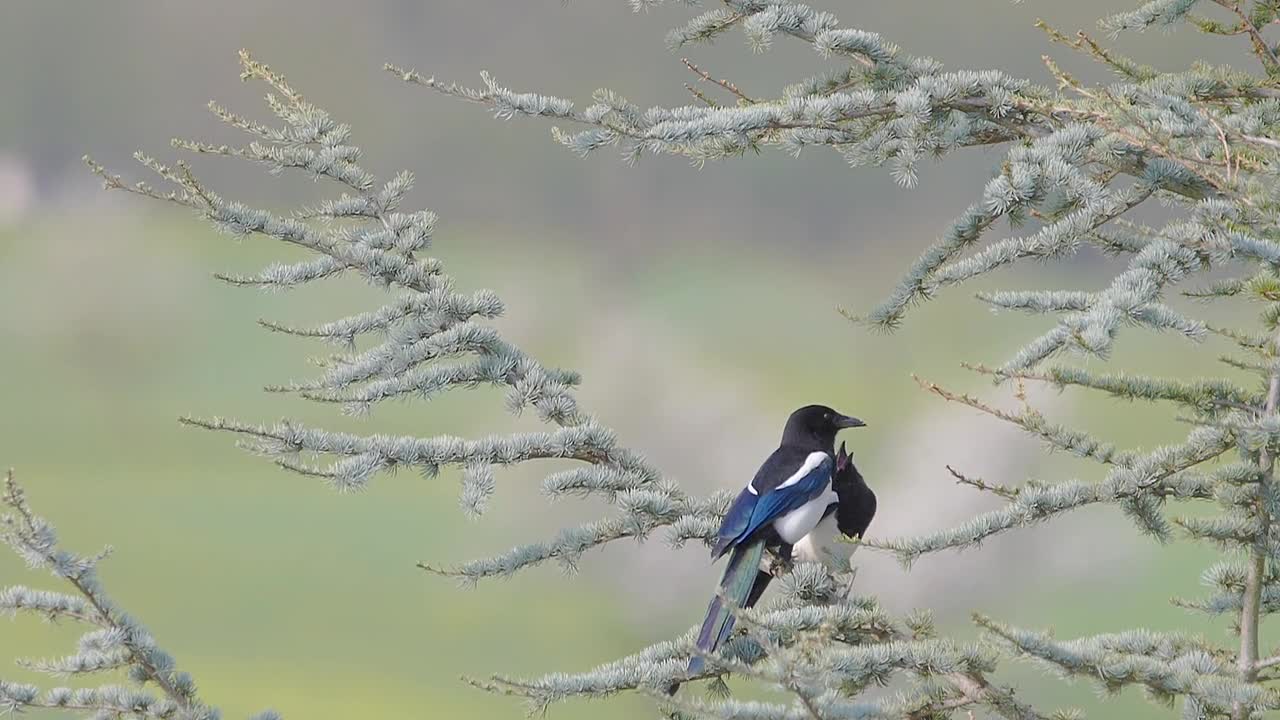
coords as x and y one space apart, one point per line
793 526
825 545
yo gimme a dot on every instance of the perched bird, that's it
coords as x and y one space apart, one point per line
789 496
848 517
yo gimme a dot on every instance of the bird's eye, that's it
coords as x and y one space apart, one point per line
826 416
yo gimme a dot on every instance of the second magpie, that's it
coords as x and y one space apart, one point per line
789 495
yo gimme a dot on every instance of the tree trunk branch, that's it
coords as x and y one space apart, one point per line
1250 613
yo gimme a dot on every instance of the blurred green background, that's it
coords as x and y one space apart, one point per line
679 293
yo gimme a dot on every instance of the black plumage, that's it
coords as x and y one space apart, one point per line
857 506
852 514
796 473
788 496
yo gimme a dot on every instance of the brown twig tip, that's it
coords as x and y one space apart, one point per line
1028 420
409 75
727 85
442 572
978 368
214 423
15 498
1003 491
925 384
488 685
701 96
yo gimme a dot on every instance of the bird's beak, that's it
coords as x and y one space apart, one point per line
844 421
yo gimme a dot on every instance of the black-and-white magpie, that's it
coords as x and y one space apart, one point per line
788 498
848 517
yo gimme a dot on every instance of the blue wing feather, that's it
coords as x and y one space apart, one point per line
780 502
735 523
750 512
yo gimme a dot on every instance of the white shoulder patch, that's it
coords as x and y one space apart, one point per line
814 460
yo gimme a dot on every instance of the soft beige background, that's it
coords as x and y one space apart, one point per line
699 304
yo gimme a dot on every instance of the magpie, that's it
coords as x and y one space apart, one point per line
848 517
789 496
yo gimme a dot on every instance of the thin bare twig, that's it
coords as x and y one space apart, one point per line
722 83
1259 140
1003 491
1226 146
701 96
1260 47
977 690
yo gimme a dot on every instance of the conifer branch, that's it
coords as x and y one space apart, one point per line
979 484
1208 396
1128 136
116 643
722 83
1167 665
1138 482
1031 421
434 338
977 690
1251 610
1260 47
1086 44
1080 159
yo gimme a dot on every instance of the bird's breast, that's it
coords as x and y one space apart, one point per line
793 526
825 544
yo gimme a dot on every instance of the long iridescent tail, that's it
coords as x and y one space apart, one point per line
735 589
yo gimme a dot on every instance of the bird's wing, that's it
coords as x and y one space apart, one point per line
788 480
785 468
735 523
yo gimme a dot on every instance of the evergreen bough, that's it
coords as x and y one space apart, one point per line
113 641
1079 159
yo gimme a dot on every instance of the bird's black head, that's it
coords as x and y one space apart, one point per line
815 427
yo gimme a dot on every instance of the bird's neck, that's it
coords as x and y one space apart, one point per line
849 483
809 443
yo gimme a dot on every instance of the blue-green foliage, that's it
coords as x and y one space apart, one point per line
1078 159
113 642
812 638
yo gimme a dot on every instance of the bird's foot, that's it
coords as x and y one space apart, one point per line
781 563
